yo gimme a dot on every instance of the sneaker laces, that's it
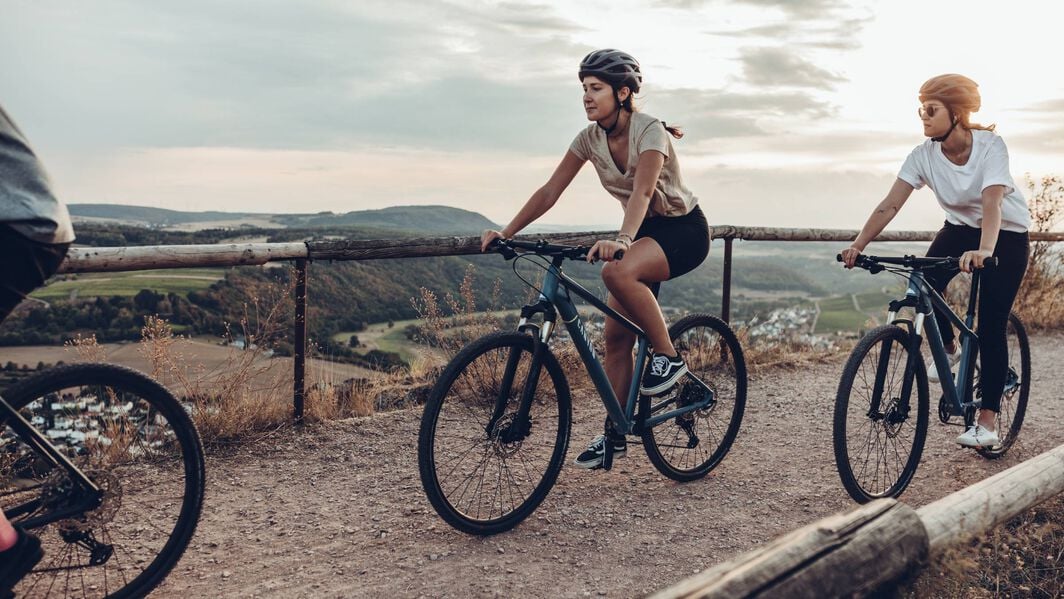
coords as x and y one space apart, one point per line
658 365
599 441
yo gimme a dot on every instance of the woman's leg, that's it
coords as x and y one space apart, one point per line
619 361
951 240
628 281
997 293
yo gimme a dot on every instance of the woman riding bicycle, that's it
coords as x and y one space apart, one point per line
35 232
967 167
664 233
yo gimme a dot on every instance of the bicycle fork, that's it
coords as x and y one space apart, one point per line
520 425
896 409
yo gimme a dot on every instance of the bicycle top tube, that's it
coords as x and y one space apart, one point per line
506 247
875 264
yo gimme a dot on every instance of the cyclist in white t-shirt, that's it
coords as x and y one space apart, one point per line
967 166
664 233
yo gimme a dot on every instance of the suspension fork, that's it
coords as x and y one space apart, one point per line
907 377
540 335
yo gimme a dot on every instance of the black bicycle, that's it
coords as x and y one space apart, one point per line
496 425
106 467
879 432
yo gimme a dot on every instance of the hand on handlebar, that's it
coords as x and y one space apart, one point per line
973 259
487 237
607 250
849 256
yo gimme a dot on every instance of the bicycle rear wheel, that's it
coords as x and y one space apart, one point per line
482 469
1017 388
689 446
877 436
133 439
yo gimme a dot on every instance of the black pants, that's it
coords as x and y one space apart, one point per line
997 291
26 266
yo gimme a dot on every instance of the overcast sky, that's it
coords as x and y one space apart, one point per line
797 112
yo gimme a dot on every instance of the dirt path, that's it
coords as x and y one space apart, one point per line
338 511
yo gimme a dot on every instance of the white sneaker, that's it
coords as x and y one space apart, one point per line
978 436
932 372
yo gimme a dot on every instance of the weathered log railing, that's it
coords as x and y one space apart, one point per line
878 544
116 259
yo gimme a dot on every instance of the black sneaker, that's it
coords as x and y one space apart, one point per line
592 456
661 374
18 560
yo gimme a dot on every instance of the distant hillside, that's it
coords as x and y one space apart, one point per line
428 220
151 216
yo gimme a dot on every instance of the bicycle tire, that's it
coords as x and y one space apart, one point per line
126 405
712 353
469 387
889 422
1014 404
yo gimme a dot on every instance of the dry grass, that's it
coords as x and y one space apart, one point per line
1022 558
1040 301
786 353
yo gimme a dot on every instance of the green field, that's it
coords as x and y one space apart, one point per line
179 281
839 314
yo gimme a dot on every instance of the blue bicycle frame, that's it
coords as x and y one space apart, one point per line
555 300
924 299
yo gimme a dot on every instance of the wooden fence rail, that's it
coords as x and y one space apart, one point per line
878 544
118 259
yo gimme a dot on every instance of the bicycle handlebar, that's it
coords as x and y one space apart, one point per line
875 264
506 247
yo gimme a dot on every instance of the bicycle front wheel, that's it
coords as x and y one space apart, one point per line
878 433
135 441
688 446
485 469
1017 388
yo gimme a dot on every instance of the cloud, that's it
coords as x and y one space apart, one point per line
1052 107
777 67
313 75
709 114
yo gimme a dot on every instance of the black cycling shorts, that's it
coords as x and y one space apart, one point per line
26 266
684 239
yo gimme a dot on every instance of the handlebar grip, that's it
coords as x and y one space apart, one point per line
991 261
838 257
619 254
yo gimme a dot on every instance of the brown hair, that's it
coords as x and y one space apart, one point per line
673 130
960 95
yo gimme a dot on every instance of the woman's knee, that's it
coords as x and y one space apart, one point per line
615 275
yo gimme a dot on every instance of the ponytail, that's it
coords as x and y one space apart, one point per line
674 130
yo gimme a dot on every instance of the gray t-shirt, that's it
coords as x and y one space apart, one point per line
27 203
671 197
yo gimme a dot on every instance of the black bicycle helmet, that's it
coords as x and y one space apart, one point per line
614 67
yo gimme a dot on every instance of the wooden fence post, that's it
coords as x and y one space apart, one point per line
300 342
870 547
978 508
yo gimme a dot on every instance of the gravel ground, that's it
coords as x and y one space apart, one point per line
337 510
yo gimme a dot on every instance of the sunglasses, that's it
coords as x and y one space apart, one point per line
929 111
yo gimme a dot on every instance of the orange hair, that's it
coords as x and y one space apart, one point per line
960 95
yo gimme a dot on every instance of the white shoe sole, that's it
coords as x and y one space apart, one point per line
979 443
666 385
598 463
